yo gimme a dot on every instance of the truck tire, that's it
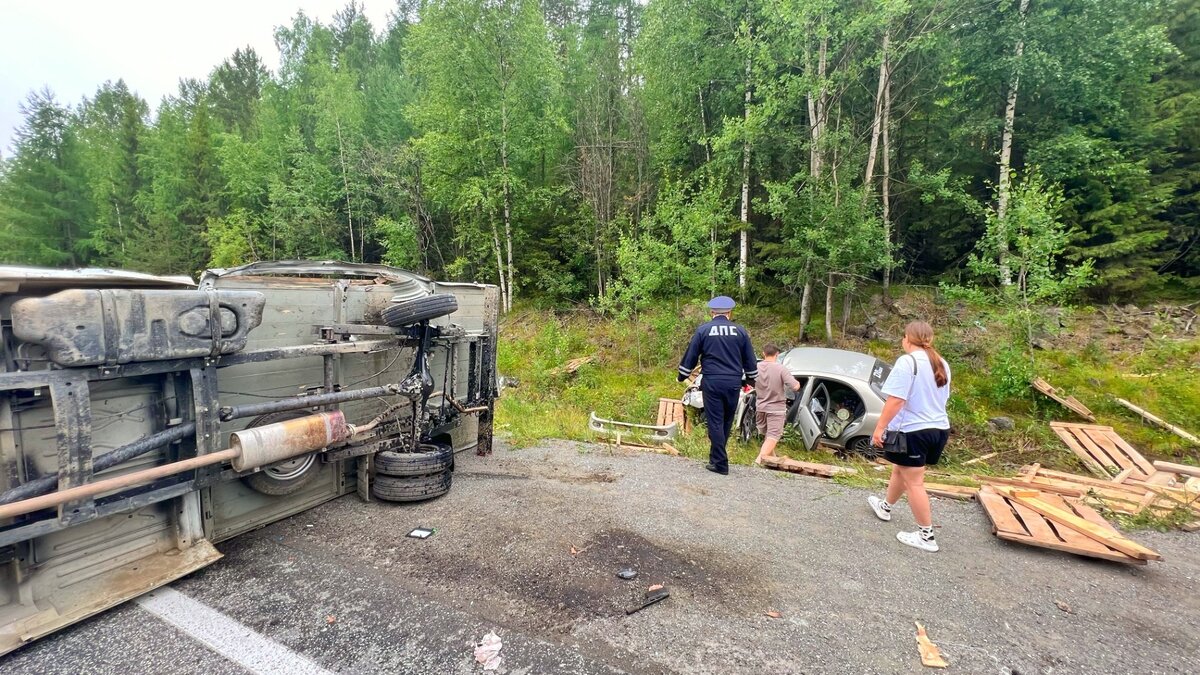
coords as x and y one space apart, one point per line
430 458
290 475
419 309
411 488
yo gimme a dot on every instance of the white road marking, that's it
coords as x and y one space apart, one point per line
235 641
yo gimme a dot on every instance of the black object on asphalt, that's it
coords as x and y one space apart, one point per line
627 573
651 598
712 467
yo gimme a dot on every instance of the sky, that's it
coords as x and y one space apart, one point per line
74 46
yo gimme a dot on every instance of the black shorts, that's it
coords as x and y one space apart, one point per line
924 448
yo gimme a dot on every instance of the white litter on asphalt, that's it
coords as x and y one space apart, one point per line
488 651
235 641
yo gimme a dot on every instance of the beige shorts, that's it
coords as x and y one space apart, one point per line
770 425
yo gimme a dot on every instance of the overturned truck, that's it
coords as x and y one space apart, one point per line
144 419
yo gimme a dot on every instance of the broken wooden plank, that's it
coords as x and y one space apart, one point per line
981 458
1069 402
1107 536
1120 478
1157 421
808 468
1184 469
573 365
951 491
1102 450
1031 485
1008 525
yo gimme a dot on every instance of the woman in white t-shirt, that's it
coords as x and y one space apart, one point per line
917 390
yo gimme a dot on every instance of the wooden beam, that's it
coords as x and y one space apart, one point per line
1159 421
1184 469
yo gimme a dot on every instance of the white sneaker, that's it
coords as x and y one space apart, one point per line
877 506
915 540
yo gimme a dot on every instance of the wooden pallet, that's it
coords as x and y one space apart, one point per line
1069 402
1104 452
1129 497
672 410
1016 521
807 468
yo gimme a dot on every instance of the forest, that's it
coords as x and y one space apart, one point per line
616 152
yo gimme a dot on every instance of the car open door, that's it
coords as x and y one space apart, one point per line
810 430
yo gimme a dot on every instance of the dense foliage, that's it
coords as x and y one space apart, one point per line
617 152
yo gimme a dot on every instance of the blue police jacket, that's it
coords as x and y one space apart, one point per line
724 348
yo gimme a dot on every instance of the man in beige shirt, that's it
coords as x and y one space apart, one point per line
771 407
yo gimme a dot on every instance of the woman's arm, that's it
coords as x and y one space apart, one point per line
891 408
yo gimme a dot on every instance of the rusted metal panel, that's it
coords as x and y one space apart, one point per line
73 435
87 327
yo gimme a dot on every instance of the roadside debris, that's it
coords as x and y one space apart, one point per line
1063 606
1102 450
627 573
487 651
650 598
422 533
930 655
573 365
1157 421
1161 492
807 468
1050 521
980 458
774 614
672 411
655 587
331 619
959 492
1069 402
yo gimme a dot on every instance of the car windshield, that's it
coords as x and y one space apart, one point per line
879 375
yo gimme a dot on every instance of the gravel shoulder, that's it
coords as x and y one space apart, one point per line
728 548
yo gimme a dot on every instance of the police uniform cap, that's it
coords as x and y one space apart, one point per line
721 303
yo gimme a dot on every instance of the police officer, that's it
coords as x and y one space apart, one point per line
724 350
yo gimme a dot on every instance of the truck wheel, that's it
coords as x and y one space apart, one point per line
419 309
430 458
288 476
410 489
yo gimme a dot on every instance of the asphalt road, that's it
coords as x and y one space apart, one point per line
528 542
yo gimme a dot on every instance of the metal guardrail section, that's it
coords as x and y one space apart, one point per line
650 432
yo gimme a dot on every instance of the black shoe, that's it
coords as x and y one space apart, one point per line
712 467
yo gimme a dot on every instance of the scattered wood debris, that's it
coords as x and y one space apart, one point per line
1063 606
930 655
981 458
774 614
1069 402
1048 520
1103 451
573 365
951 491
807 468
1193 471
1128 497
672 411
1157 421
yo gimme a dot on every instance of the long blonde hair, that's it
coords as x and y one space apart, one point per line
920 334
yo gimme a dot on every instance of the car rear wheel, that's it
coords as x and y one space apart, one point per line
421 309
290 475
862 446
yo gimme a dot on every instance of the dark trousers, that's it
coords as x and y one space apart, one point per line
720 404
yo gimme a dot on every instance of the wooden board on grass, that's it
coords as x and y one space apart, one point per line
1014 521
951 491
1103 451
807 468
1069 402
672 410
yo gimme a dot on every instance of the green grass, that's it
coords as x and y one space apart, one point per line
635 360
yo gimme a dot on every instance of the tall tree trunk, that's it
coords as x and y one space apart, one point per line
829 310
499 265
345 184
507 189
805 303
847 302
877 118
886 183
1006 140
744 247
704 126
